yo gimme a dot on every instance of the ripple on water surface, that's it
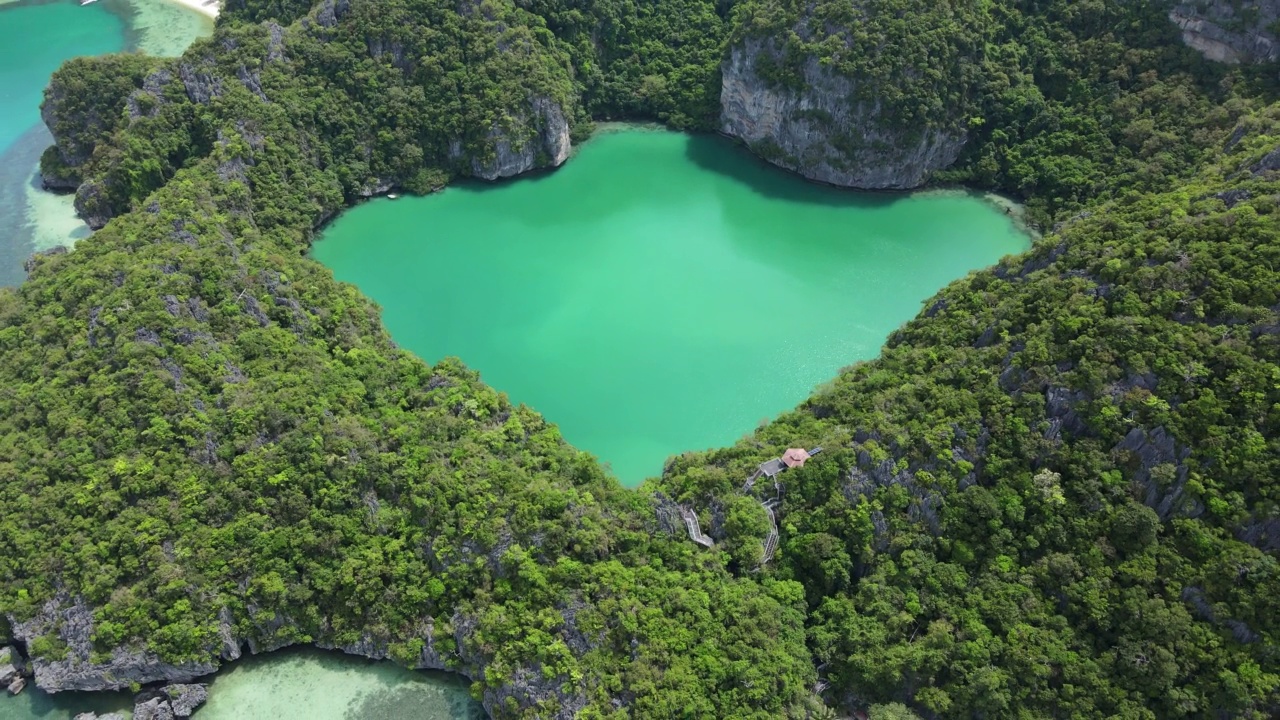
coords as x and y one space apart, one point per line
661 292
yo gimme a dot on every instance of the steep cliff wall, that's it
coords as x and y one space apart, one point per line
1231 32
537 139
824 132
866 94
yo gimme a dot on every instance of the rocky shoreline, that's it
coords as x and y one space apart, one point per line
169 688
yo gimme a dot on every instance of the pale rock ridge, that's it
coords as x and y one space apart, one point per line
1224 33
823 132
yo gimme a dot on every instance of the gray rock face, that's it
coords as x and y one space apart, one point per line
230 644
72 622
823 132
184 699
92 205
153 709
95 716
1230 32
1159 468
545 143
10 666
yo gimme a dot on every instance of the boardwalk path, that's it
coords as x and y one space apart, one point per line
771 470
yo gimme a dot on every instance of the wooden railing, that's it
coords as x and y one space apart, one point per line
695 529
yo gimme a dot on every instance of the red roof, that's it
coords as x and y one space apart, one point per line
795 457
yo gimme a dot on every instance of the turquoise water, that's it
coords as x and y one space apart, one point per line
660 292
329 686
34 41
301 684
36 37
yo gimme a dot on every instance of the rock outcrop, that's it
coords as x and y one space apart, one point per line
1230 32
153 709
184 699
541 140
9 665
12 669
170 702
72 622
823 132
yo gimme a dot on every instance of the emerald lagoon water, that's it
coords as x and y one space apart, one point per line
36 37
660 292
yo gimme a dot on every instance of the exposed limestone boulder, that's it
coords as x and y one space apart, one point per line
822 132
1230 32
154 709
93 205
10 665
184 699
55 174
72 622
95 716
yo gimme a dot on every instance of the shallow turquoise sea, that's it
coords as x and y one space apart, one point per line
36 37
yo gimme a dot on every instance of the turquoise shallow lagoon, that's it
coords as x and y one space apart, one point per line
36 37
320 685
302 684
661 292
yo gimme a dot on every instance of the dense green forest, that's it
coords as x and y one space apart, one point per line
1052 495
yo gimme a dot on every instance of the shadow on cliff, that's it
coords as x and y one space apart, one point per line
731 159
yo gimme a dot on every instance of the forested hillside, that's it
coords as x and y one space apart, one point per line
1052 495
1054 491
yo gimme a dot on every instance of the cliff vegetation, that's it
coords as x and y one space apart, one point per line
1052 495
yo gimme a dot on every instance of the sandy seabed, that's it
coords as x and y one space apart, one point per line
205 7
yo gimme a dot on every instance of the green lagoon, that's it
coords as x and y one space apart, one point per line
661 292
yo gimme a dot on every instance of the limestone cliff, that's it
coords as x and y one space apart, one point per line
1230 32
403 131
825 132
531 142
78 668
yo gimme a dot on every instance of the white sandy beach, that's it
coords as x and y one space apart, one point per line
204 7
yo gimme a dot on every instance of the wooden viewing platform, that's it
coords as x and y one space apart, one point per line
794 457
